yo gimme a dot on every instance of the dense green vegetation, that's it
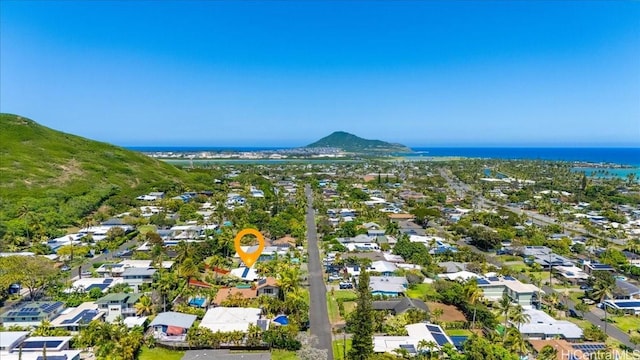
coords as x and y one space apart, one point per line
352 143
50 179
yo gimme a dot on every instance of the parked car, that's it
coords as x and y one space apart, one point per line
335 277
65 268
346 285
574 314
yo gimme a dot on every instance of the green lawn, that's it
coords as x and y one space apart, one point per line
334 314
159 353
344 294
349 306
458 332
626 323
419 291
283 355
338 349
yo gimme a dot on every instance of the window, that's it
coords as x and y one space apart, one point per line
267 291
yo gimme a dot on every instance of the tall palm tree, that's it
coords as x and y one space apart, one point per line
188 269
504 305
25 213
518 316
603 290
144 306
516 342
473 293
289 278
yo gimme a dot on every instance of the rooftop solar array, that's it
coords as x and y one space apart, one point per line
83 318
627 304
509 278
52 344
438 335
108 281
245 272
262 281
409 347
97 286
589 348
53 357
483 282
493 278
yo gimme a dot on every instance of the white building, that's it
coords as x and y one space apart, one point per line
225 319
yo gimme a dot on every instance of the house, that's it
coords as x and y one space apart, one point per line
245 273
632 258
452 266
591 266
73 318
118 305
542 326
31 314
84 285
225 319
400 306
572 351
625 291
10 340
429 333
571 274
392 286
384 268
458 276
172 326
137 277
493 288
267 286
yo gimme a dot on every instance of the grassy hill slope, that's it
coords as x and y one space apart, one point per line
61 177
352 143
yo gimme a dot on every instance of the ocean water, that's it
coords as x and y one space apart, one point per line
623 156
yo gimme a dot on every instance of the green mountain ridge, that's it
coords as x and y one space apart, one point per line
352 143
61 177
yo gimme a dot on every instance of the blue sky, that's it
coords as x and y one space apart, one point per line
284 73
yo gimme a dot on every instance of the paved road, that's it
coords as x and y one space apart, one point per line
595 316
318 312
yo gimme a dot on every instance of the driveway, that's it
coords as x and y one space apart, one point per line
318 312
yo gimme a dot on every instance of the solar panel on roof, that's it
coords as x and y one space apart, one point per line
483 282
509 278
409 347
590 348
440 338
262 281
40 344
433 328
53 357
245 272
108 281
493 278
97 286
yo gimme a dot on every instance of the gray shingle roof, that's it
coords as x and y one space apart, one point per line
171 318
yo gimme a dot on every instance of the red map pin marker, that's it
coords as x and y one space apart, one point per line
249 258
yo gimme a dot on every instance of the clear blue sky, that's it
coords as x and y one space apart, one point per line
285 73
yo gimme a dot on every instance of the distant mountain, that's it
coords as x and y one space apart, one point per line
352 143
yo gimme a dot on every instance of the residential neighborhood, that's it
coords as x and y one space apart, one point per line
445 264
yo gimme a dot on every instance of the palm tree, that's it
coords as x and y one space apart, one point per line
25 213
289 278
547 353
603 290
504 305
184 251
426 345
188 269
516 342
144 306
473 293
518 316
